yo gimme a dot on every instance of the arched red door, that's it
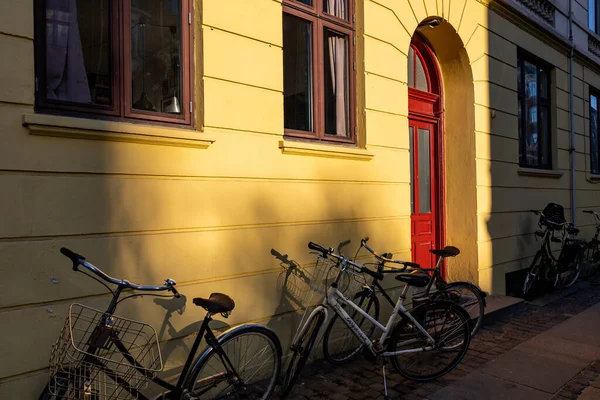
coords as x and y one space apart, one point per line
426 145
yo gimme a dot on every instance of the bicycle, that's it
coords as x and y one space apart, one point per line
544 266
341 346
591 252
439 327
99 355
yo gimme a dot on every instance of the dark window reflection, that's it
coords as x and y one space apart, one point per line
594 144
297 73
156 79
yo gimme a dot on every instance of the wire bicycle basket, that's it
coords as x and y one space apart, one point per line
553 214
95 350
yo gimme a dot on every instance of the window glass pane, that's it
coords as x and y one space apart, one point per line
336 84
411 150
421 83
520 129
424 171
544 83
78 51
411 67
297 73
307 2
531 126
592 15
156 76
519 76
594 134
544 136
337 8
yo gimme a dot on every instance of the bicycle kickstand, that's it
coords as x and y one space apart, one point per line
385 390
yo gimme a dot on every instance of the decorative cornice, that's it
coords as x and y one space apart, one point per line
593 45
542 8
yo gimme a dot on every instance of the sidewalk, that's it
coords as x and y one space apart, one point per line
545 350
540 368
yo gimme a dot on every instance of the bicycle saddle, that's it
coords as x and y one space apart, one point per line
411 279
448 251
216 303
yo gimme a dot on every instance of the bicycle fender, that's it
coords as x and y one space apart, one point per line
472 286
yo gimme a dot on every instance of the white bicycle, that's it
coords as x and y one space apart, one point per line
428 342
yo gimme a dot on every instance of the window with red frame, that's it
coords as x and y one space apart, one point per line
318 69
126 59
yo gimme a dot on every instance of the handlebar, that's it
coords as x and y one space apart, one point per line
78 260
359 268
363 242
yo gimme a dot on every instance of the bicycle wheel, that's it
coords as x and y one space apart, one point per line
568 276
246 366
300 351
467 296
448 324
533 273
590 259
340 344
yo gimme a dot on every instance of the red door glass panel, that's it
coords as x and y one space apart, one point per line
423 194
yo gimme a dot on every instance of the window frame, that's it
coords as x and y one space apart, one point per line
596 93
121 108
321 20
523 57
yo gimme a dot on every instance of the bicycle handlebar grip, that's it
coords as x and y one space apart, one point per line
556 240
314 246
588 211
74 257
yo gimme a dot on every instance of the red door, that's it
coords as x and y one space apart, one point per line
424 223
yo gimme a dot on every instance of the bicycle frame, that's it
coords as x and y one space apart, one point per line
335 299
174 392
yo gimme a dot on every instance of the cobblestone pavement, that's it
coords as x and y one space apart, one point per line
361 379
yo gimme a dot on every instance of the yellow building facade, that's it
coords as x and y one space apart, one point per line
217 203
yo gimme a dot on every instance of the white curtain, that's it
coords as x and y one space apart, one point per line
338 61
66 77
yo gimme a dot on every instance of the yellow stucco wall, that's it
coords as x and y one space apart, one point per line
210 217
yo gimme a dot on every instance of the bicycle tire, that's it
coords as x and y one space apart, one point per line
231 337
531 276
565 283
407 328
476 310
353 349
591 257
301 354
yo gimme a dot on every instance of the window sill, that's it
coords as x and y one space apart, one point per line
91 129
327 151
593 178
540 173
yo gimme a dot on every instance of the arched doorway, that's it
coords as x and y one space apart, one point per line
425 105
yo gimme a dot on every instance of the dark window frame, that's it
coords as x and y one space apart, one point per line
120 51
595 169
321 20
523 57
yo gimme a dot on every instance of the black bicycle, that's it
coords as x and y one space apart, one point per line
591 252
340 345
102 356
561 271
